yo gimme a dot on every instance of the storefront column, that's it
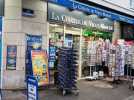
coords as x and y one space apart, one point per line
47 37
80 58
117 31
64 32
13 36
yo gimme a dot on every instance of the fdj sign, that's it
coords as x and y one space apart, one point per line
32 88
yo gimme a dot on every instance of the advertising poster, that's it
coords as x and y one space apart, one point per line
11 57
40 66
68 41
34 42
52 56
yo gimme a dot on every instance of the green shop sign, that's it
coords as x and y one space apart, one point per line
90 32
64 15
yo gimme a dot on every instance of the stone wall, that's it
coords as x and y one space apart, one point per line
15 29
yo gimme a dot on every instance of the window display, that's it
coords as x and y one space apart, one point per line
56 39
94 52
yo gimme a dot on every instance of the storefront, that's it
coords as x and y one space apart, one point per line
92 25
58 22
64 22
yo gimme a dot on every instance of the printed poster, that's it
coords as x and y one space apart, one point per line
40 67
68 41
11 57
52 56
34 42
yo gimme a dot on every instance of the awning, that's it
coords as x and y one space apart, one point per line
71 4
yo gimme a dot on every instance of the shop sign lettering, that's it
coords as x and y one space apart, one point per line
77 21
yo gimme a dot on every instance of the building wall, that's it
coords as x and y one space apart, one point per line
127 4
15 29
119 5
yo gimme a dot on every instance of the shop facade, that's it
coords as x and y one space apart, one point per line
58 22
64 21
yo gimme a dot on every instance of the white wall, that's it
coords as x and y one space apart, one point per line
122 3
119 5
38 24
12 36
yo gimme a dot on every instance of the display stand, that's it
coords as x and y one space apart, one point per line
67 71
131 80
90 60
112 64
32 88
39 67
130 68
34 42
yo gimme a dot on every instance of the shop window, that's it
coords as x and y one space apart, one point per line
92 44
56 35
73 30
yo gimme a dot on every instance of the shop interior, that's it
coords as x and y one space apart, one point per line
63 36
82 40
96 50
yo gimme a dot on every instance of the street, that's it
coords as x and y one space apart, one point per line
95 90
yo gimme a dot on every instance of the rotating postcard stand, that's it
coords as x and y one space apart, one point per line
130 67
91 61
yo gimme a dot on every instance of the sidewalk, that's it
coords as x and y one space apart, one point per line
96 90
